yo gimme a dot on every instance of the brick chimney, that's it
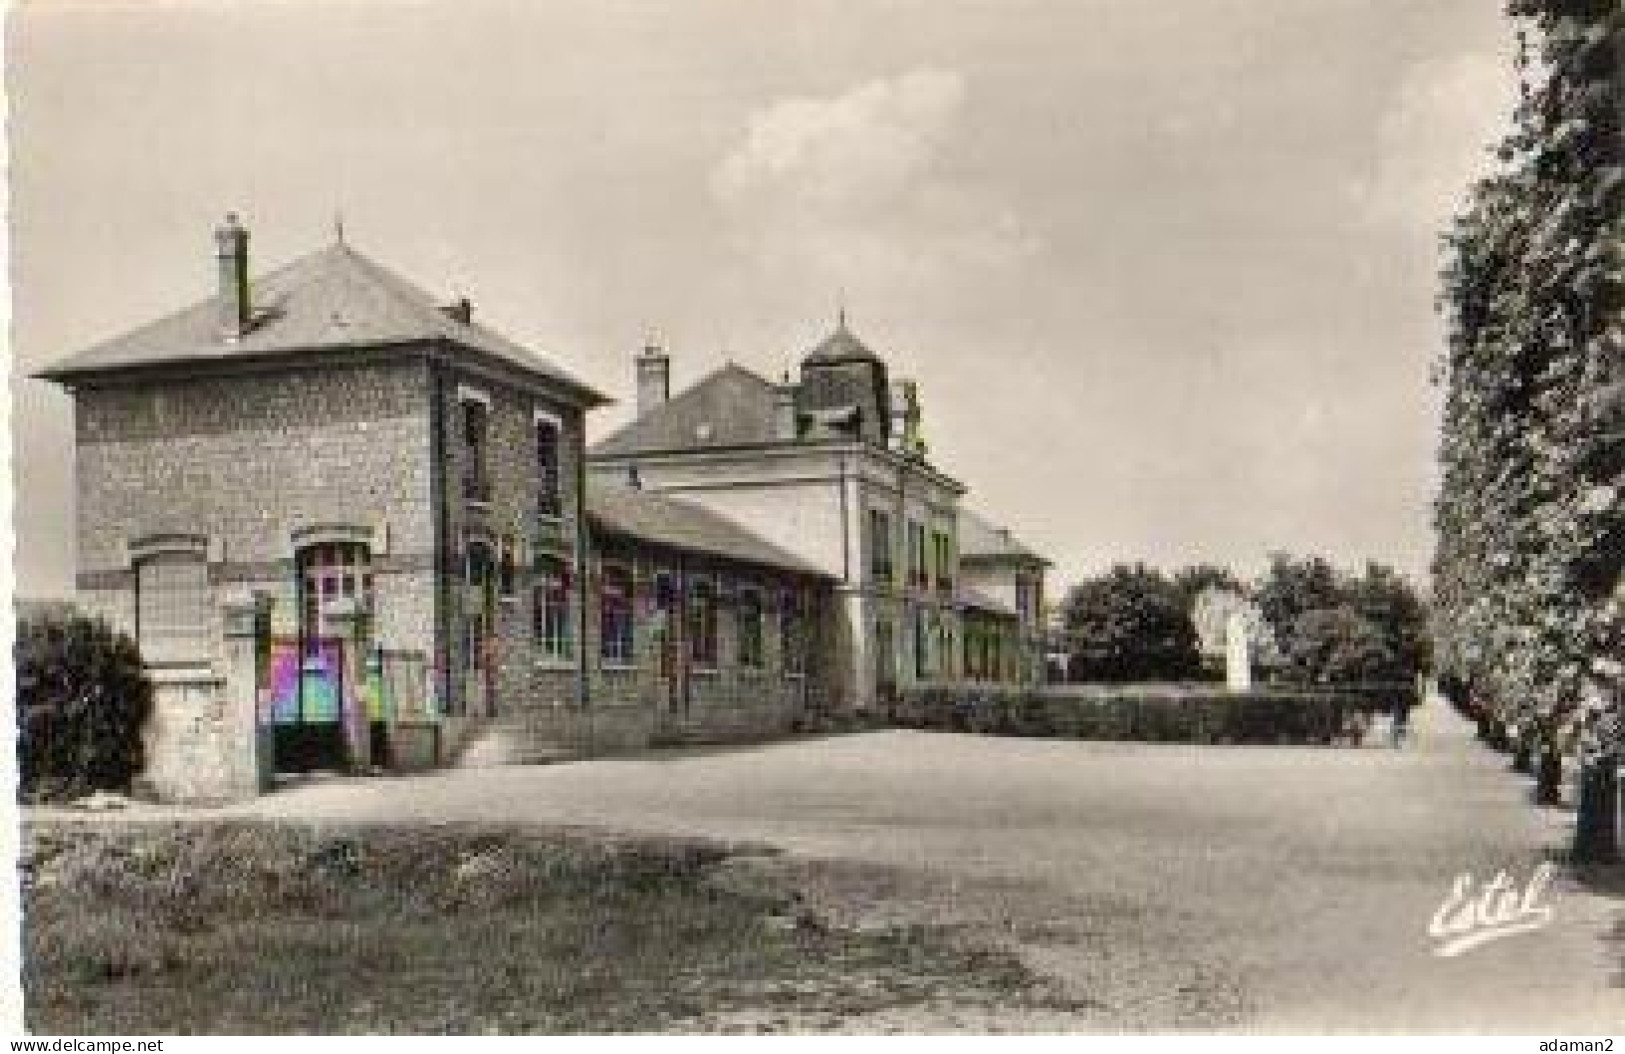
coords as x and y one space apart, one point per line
231 250
654 378
784 410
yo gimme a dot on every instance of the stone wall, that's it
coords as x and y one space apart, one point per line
247 461
510 515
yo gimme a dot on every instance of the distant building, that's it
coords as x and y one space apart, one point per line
1002 593
833 467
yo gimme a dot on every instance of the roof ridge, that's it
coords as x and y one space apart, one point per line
334 296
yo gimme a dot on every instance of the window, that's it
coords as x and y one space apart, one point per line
476 429
330 572
615 616
880 546
792 634
748 617
549 498
550 616
922 646
702 623
916 555
478 569
943 557
479 577
172 607
505 568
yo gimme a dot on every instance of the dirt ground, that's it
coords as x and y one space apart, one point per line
1164 887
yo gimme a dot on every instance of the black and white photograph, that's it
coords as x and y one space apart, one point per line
686 518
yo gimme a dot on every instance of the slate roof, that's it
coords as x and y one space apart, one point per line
731 407
677 524
332 298
841 346
979 539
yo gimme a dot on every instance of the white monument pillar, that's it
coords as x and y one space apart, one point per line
1238 660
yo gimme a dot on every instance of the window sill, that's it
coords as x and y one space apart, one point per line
555 665
615 666
704 671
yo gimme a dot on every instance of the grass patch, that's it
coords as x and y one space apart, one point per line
263 928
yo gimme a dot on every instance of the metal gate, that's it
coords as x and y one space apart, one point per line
305 700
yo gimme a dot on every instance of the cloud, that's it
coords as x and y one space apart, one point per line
1433 141
856 188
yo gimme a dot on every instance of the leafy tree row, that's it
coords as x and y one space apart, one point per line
1529 521
1311 623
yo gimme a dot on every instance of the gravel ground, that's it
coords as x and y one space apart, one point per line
1166 887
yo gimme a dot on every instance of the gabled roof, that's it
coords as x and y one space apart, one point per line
979 539
841 346
731 407
689 528
333 298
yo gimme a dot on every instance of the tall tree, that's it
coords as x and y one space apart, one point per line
1529 518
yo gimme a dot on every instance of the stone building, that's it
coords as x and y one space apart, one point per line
833 468
351 527
378 476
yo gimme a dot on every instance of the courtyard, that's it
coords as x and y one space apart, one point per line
1269 888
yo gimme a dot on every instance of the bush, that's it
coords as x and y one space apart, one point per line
82 700
1128 625
1148 713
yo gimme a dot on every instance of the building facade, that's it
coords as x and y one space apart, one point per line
327 497
1003 591
833 468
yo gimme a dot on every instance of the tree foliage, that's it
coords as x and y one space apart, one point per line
1131 624
82 699
1338 645
1193 581
1309 604
1530 529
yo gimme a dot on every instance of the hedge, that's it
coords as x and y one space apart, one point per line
1152 713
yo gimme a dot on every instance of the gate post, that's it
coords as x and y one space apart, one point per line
246 763
349 625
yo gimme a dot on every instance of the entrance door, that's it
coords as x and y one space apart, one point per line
309 689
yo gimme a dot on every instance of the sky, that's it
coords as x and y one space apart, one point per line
1164 272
